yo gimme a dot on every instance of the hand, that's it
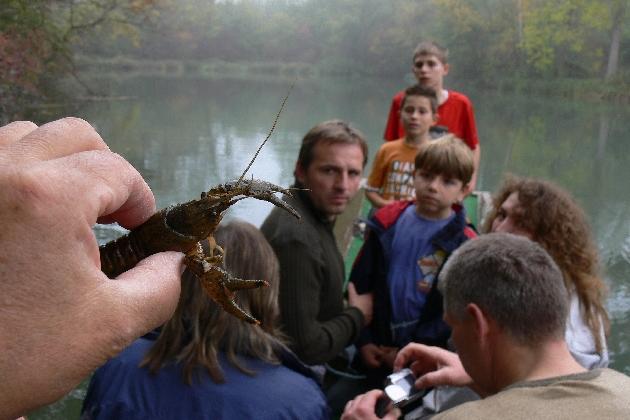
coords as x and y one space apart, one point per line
60 316
389 355
364 302
372 355
433 366
363 407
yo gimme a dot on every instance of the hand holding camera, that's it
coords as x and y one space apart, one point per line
399 391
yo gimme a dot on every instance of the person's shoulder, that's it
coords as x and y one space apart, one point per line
391 145
127 360
281 228
299 390
388 215
289 388
471 410
613 375
458 97
398 96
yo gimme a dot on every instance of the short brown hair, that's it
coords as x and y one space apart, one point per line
431 48
514 280
330 132
448 156
425 92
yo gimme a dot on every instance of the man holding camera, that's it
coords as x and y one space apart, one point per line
507 305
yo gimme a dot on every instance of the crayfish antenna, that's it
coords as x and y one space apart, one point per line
273 127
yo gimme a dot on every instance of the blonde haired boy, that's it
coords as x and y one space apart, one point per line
406 245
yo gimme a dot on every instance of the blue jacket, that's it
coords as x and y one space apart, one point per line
369 274
122 390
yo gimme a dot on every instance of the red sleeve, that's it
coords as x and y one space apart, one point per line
470 136
394 129
458 116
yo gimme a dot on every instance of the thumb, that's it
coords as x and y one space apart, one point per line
431 379
148 293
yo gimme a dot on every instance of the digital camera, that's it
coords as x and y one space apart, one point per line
399 391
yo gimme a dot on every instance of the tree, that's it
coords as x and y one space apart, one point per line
570 37
618 11
36 38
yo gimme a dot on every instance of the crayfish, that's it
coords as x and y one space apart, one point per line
183 226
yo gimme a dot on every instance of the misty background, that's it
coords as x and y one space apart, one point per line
565 47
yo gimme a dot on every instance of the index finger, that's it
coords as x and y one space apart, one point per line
414 352
54 140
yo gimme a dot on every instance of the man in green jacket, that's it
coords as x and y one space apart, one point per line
328 170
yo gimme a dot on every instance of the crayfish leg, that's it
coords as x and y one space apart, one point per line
213 246
234 283
220 285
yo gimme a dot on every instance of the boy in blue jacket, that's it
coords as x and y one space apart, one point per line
406 245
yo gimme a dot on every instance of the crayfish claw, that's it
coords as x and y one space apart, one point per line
261 190
220 285
279 203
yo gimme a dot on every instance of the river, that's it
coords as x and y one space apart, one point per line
185 134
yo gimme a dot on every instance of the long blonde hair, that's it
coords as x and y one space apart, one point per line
200 329
558 223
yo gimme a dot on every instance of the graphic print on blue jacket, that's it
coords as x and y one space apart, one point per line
412 271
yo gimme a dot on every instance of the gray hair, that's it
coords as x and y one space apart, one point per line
513 280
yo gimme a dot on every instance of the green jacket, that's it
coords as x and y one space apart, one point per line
311 282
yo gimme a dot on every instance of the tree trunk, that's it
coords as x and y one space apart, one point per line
615 40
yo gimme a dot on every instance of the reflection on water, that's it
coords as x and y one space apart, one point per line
186 135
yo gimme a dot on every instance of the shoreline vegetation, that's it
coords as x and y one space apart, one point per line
584 89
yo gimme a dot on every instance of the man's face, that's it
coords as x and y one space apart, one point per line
429 71
466 344
333 176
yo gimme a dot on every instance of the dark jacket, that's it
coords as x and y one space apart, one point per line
311 282
370 269
122 390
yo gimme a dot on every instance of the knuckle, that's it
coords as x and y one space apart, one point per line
75 122
31 195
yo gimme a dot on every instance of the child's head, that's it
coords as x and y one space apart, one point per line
444 168
424 92
418 112
447 156
431 48
430 64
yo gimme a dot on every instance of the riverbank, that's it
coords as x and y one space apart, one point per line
589 90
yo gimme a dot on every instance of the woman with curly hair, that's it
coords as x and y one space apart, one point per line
548 215
207 364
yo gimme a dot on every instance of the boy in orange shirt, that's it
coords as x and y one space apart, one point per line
391 178
455 111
